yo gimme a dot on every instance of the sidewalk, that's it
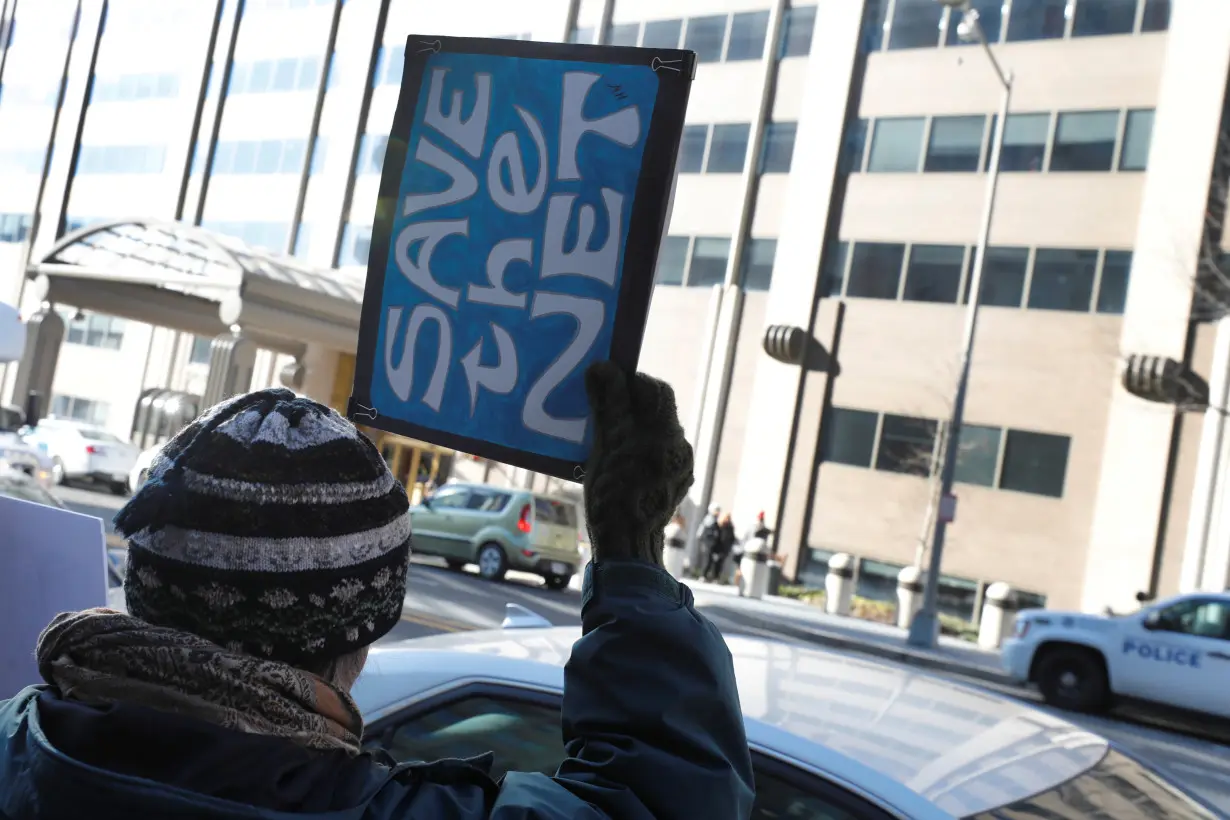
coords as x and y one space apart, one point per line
800 621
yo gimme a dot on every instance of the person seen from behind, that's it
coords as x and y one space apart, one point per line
707 540
722 548
269 550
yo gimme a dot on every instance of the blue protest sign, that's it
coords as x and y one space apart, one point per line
524 193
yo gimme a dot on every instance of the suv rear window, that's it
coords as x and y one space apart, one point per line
1118 788
550 511
99 435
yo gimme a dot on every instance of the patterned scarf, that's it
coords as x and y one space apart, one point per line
100 656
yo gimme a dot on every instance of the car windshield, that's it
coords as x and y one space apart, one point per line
1117 788
25 490
100 435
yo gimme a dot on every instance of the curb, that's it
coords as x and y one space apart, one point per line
873 648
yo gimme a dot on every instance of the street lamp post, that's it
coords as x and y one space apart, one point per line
924 628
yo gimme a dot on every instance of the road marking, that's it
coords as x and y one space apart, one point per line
423 619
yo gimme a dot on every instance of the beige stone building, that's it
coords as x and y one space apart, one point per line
832 179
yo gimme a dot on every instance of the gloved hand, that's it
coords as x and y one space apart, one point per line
640 467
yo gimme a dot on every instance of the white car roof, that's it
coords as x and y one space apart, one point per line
879 727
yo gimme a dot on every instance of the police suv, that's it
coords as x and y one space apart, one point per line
1174 653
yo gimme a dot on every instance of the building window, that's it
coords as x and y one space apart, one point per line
1037 20
320 147
691 158
267 76
728 149
14 227
906 445
934 273
1003 277
1137 136
990 17
956 143
757 273
896 144
624 34
672 260
1085 141
390 63
1156 16
662 34
709 255
371 153
128 87
202 347
259 156
87 411
120 159
706 36
1113 285
853 146
833 268
581 35
95 330
267 235
875 270
1035 463
356 244
1062 279
1098 17
850 437
1024 147
778 147
875 18
797 28
977 455
747 34
916 24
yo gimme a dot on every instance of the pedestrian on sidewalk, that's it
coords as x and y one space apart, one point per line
269 550
706 541
724 544
676 549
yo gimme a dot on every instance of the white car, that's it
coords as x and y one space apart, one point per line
1174 653
832 737
19 455
81 452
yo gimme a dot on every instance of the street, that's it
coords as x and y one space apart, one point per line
440 600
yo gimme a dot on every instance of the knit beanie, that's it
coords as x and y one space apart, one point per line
270 526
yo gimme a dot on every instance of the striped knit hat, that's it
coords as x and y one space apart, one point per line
271 526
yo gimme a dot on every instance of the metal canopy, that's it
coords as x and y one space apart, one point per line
191 279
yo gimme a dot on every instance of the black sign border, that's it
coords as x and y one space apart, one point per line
650 209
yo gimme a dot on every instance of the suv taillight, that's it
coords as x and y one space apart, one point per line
523 523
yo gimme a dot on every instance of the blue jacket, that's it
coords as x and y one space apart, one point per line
651 725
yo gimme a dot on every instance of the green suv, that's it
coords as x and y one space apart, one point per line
499 528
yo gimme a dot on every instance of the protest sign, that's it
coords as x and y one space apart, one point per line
522 203
53 561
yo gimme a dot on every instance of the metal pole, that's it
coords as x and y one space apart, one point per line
924 627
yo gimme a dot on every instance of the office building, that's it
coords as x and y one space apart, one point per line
832 179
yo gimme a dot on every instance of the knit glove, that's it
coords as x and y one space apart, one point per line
640 467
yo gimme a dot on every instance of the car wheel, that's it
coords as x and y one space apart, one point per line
1074 679
57 471
455 564
492 562
557 582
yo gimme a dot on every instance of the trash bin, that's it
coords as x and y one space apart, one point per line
755 568
775 578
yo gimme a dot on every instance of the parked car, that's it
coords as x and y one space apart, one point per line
80 452
1173 653
140 470
16 483
23 457
499 529
832 737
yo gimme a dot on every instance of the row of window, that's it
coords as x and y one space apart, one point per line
22 160
282 156
93 329
700 261
126 87
88 411
356 244
1005 459
716 38
1063 141
722 148
1071 279
266 76
905 24
371 153
268 235
14 227
121 159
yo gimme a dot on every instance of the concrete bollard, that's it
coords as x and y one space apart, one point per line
755 569
999 608
839 584
910 583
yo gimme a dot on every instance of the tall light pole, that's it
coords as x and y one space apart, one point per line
924 628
